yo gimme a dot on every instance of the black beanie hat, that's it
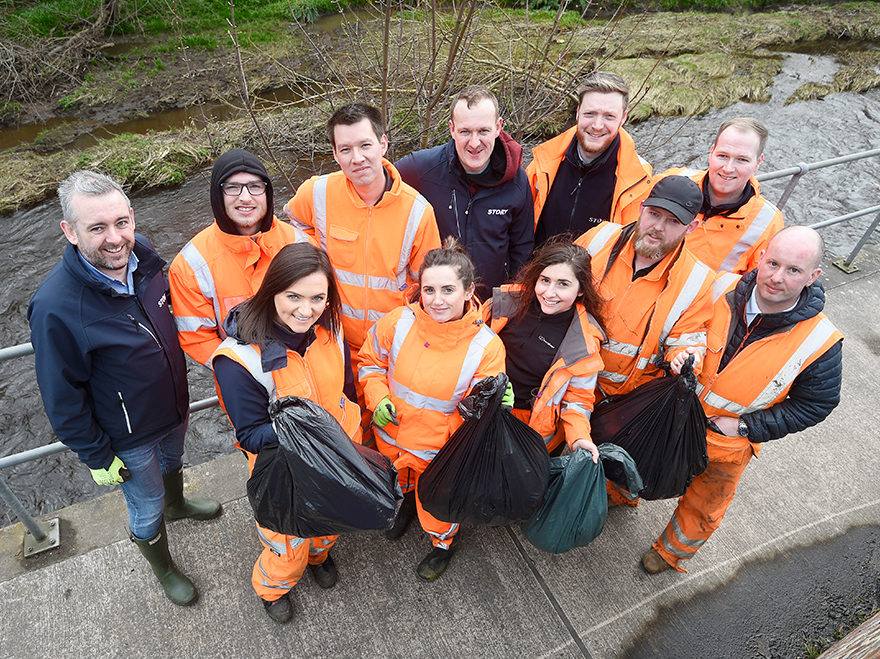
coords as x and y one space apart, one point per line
232 162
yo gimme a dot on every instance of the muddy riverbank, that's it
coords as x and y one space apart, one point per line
150 112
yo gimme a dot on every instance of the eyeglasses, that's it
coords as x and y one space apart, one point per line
256 188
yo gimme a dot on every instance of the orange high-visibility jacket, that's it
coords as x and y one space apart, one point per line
376 250
761 374
319 375
633 175
567 391
733 242
215 271
426 368
652 318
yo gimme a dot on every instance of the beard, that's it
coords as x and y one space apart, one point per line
653 252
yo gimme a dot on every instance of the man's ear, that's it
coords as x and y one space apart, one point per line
69 232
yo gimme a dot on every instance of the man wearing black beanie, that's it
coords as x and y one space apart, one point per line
224 264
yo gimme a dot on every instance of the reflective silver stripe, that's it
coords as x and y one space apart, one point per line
789 371
580 408
682 538
204 279
583 383
363 281
409 238
364 371
724 281
612 376
783 378
421 401
401 329
359 314
644 361
689 172
319 203
557 397
602 237
690 339
251 360
443 537
300 236
194 323
279 548
427 455
756 228
685 298
472 361
626 495
620 348
675 551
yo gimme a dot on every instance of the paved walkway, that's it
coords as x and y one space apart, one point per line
501 597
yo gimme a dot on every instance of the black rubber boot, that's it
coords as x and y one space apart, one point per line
280 610
434 564
177 507
178 588
324 574
404 516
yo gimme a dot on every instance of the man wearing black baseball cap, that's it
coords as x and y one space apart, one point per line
658 296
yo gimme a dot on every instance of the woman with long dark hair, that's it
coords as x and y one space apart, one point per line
549 323
287 341
417 363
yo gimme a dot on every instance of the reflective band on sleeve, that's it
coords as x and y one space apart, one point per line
364 371
409 238
756 228
602 237
204 278
611 376
426 455
194 323
319 202
685 298
588 383
691 339
724 281
580 408
620 348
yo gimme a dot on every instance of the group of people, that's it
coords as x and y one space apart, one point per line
582 276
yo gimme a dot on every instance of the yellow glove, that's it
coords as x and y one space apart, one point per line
385 413
111 475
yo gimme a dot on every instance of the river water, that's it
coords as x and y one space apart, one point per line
31 243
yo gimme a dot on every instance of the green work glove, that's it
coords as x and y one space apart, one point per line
385 413
507 398
111 475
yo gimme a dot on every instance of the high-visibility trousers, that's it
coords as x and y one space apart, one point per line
284 558
701 509
409 468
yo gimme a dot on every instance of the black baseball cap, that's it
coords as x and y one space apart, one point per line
677 194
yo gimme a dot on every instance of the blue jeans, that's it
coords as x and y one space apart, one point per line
145 492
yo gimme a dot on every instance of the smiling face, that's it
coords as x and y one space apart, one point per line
474 130
301 304
557 288
733 159
443 293
359 151
599 118
788 265
103 231
246 210
658 232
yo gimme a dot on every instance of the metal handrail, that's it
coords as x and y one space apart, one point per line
795 173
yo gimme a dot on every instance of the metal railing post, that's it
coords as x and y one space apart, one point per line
846 264
804 167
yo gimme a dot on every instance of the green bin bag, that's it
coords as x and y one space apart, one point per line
576 503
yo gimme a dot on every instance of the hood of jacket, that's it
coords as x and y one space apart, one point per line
232 162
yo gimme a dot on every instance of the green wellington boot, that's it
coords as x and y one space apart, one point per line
177 507
178 588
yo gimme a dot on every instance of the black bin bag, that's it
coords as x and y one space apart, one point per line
576 504
661 424
494 468
317 481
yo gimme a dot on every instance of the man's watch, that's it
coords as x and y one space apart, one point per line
743 429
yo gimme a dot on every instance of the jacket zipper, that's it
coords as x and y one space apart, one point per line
124 411
453 206
139 325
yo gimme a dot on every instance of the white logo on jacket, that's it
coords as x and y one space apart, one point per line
497 211
162 301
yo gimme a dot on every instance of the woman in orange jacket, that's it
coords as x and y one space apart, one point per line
417 363
548 323
287 341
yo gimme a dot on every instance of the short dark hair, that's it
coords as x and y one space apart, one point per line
557 250
745 124
452 254
606 83
351 114
256 316
471 95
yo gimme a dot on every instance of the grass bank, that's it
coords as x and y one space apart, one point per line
677 63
